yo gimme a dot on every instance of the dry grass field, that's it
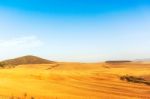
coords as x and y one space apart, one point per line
74 81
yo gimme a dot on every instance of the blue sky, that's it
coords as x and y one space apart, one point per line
75 30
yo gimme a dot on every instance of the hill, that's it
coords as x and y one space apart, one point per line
143 60
26 60
119 61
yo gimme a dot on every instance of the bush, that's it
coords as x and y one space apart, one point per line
2 64
32 98
134 79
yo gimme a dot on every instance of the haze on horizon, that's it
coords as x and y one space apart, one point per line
78 30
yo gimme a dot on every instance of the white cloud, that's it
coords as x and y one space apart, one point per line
17 46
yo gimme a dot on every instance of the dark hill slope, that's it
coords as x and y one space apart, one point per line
27 60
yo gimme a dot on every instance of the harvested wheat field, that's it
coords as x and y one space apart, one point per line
93 49
74 81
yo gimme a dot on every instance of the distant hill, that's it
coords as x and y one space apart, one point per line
118 61
26 60
143 60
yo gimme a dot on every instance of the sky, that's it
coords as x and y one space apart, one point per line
75 30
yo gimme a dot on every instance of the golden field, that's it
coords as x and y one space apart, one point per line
74 81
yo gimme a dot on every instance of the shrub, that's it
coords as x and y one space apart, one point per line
32 98
134 79
2 64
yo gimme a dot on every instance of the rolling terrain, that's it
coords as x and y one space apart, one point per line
62 80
